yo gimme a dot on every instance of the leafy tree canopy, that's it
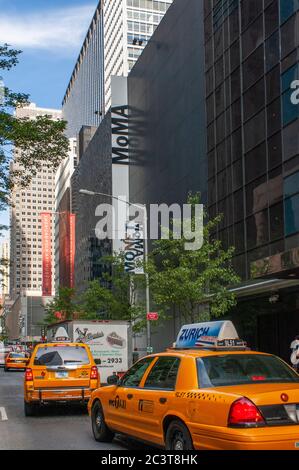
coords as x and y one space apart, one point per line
62 307
193 283
38 142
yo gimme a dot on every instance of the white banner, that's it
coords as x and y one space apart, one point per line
134 248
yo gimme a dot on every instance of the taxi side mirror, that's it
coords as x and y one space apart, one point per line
112 380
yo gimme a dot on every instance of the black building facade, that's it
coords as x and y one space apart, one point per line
94 172
240 148
166 96
252 127
251 49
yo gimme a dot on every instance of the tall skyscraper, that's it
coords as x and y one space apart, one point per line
118 33
25 220
63 225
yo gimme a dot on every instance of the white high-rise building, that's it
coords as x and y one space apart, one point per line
25 232
119 31
4 256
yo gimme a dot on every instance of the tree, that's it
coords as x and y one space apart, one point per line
37 142
62 307
114 297
193 283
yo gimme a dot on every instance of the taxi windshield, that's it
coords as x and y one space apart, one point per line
238 369
61 355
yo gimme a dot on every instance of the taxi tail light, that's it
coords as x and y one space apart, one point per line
244 413
94 374
28 375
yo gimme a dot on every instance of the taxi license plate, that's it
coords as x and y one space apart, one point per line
61 375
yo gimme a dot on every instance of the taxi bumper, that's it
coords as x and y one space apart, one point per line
270 438
15 365
45 395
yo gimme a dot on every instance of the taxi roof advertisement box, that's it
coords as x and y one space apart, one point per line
205 333
110 343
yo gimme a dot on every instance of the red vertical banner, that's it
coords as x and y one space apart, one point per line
72 249
46 218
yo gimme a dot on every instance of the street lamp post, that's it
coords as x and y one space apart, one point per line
147 290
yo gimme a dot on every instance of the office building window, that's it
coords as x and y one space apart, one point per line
253 67
274 150
257 229
253 37
272 51
271 18
255 163
291 141
276 221
287 9
273 117
289 36
291 206
291 185
254 99
250 9
254 131
273 84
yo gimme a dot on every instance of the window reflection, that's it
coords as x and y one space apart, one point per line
257 229
253 67
287 8
291 206
272 51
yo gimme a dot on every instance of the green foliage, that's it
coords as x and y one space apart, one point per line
8 57
194 283
39 141
63 302
115 296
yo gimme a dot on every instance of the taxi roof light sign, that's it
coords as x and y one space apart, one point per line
215 334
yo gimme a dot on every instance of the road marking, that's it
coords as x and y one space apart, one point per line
3 414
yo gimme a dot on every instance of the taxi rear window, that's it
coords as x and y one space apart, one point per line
17 355
61 356
238 369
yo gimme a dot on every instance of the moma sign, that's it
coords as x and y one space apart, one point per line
134 248
120 135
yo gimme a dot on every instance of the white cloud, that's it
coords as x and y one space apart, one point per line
61 29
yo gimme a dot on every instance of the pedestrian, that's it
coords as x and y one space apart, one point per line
295 353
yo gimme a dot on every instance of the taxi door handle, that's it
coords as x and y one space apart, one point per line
129 396
163 400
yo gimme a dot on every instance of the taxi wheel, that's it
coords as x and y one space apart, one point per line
30 409
100 430
178 437
6 369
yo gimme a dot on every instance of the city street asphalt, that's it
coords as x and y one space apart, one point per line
55 428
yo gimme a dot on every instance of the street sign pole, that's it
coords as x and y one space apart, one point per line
147 289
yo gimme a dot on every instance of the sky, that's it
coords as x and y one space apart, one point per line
50 34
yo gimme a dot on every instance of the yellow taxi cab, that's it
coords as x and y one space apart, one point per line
59 372
16 361
207 392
